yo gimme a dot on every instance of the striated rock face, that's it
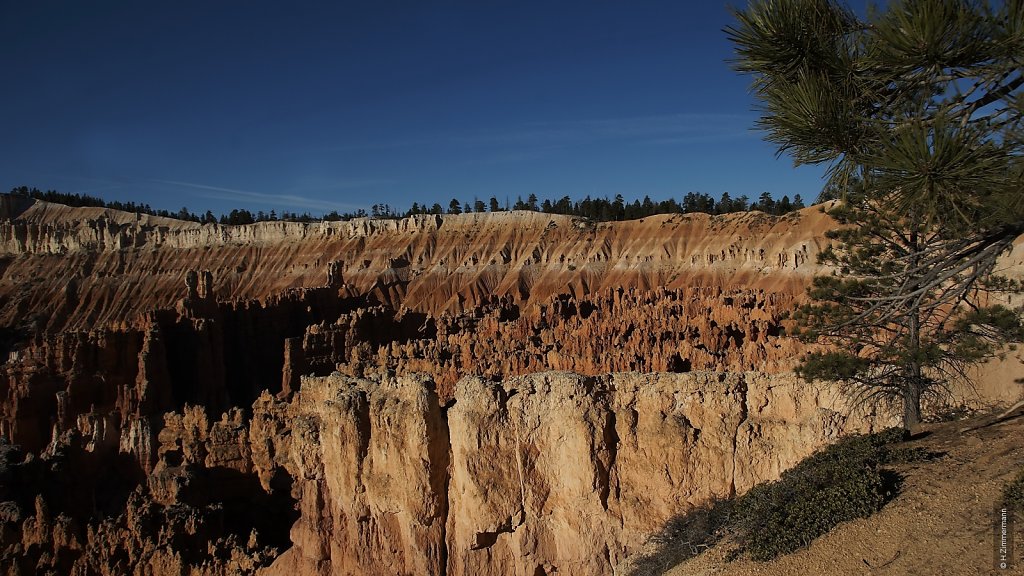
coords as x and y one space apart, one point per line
73 268
539 474
370 463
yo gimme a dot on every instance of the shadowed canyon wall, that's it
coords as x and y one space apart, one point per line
114 383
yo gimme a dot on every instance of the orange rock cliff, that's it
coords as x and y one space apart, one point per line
511 393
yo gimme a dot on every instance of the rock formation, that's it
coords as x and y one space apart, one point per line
114 383
46 505
538 474
220 354
71 269
390 397
678 330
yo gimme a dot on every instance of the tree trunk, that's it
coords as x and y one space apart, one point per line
912 405
914 385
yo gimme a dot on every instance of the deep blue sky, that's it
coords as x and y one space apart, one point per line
314 106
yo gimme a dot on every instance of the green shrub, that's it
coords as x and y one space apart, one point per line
842 482
832 486
908 455
1013 493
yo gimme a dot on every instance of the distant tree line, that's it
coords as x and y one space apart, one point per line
598 209
603 209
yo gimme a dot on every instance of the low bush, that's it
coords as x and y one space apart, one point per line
1013 492
839 483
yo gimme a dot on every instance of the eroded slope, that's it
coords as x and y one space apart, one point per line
69 268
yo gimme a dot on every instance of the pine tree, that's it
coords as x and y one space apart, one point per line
618 208
784 205
916 111
892 354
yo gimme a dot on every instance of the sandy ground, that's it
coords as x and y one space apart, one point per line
940 524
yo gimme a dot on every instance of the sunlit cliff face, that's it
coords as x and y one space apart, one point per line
396 460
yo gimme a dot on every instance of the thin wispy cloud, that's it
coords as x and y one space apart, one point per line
371 146
647 127
336 185
86 185
233 194
697 138
96 189
518 155
549 138
662 129
295 197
